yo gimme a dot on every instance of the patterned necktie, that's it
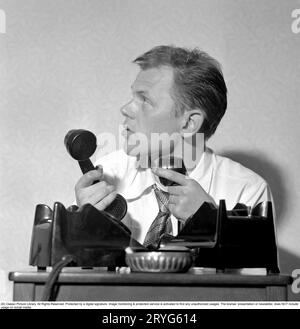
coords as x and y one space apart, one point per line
162 223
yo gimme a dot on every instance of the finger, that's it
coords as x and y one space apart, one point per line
174 190
97 193
172 208
174 211
89 178
105 202
99 168
173 199
171 175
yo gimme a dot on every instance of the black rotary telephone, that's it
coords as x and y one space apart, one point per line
89 236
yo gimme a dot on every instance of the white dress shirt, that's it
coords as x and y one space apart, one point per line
220 177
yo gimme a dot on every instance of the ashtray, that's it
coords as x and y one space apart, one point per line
163 260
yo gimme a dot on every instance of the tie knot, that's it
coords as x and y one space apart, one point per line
162 199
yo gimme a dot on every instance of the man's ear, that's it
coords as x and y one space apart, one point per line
192 121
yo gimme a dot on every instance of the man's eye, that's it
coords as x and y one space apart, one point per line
144 100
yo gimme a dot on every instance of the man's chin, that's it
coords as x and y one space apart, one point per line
133 151
142 156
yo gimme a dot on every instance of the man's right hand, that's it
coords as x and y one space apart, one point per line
99 195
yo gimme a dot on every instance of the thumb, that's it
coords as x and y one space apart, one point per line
99 168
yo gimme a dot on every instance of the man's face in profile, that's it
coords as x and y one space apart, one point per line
151 110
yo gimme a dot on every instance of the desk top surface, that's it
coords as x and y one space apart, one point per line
194 277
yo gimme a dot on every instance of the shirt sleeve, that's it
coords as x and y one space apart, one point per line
256 193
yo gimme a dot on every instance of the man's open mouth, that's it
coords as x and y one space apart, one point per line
127 131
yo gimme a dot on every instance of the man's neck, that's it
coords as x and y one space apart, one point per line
192 153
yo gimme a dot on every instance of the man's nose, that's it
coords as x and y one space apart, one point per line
128 110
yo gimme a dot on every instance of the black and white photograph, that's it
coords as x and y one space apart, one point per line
149 157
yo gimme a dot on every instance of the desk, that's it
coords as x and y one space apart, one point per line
100 285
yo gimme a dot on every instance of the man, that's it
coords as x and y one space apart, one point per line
177 91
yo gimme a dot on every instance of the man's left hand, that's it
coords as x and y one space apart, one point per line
185 198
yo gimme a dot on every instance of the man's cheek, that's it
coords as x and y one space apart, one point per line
162 125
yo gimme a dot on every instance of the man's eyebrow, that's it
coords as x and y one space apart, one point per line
140 91
144 93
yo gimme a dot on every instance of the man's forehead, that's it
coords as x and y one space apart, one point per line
155 77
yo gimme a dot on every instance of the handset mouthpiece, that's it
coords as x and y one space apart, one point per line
172 163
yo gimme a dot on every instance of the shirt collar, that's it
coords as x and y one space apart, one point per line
203 172
138 180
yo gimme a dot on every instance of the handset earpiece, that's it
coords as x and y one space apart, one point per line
81 145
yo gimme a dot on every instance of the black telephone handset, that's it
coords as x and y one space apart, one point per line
81 145
173 163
